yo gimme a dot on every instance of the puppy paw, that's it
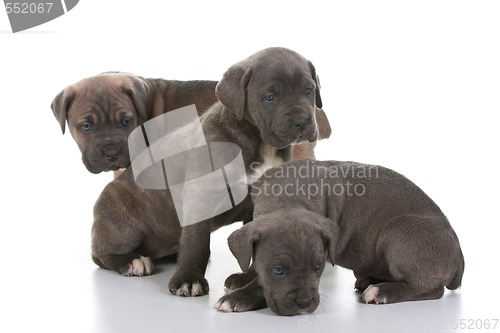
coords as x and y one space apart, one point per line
188 286
372 295
239 280
140 267
238 301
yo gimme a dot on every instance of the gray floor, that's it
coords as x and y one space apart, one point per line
71 294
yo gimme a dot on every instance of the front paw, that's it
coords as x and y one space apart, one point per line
188 285
240 301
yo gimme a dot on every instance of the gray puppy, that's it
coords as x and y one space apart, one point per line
268 103
366 218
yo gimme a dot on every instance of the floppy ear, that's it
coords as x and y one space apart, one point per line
231 89
330 233
241 244
138 91
315 77
324 129
61 104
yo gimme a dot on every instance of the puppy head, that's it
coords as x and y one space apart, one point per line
101 111
289 251
277 90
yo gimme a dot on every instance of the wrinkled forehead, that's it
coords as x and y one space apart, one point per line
289 74
279 65
103 88
294 242
290 255
98 82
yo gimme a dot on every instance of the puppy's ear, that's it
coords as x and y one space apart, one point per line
315 77
231 89
61 104
241 244
330 233
324 129
137 90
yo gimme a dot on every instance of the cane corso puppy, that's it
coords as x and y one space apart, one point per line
267 103
102 110
366 218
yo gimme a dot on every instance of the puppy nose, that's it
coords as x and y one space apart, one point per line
300 122
303 302
111 157
111 151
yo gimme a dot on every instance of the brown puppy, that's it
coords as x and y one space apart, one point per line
366 218
133 225
267 103
102 110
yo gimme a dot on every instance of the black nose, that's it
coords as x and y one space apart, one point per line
111 151
300 122
303 302
112 157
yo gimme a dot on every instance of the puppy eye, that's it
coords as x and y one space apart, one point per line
85 127
269 97
308 91
278 271
126 122
317 267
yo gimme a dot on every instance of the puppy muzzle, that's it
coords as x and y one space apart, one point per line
106 158
299 125
301 301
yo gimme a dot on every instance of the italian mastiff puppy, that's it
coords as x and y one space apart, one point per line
267 103
366 218
102 110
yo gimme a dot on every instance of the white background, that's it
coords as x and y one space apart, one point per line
411 85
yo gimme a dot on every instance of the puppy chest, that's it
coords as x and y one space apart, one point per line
270 158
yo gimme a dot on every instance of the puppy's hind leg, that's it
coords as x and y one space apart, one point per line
131 264
421 253
393 292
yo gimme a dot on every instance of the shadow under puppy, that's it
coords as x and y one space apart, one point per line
268 103
366 218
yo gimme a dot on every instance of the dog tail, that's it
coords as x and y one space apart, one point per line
456 281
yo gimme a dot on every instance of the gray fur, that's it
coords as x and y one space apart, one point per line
366 218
